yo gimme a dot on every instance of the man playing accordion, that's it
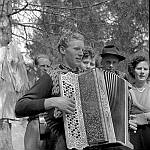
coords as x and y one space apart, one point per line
110 60
112 79
45 96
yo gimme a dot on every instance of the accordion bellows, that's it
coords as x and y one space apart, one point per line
101 114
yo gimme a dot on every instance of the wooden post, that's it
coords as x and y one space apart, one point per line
5 27
5 38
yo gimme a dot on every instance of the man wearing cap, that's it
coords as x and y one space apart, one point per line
111 59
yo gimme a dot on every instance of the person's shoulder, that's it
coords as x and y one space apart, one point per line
148 86
44 77
147 91
54 72
53 69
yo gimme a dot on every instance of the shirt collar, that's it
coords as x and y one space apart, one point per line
64 67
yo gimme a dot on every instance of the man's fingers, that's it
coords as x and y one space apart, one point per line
69 111
68 105
71 108
132 117
133 124
72 105
72 100
133 127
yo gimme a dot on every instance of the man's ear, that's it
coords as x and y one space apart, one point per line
62 50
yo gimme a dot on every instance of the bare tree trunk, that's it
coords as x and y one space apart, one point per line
5 38
5 135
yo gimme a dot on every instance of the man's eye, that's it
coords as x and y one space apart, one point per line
42 65
108 62
85 62
45 66
114 62
92 64
77 48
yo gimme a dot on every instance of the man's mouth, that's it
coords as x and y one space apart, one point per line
78 59
110 69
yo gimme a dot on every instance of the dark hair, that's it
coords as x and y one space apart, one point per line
88 51
36 59
134 62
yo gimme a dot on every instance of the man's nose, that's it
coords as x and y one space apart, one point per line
111 65
46 68
81 52
88 66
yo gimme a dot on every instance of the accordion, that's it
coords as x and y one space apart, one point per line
101 113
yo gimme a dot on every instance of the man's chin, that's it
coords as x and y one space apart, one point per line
111 70
78 64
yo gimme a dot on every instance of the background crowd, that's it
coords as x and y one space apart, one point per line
115 32
108 59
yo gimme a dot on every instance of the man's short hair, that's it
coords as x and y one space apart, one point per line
67 37
39 56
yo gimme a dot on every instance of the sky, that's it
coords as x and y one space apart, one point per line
27 18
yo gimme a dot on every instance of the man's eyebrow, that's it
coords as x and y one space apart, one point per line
142 67
77 47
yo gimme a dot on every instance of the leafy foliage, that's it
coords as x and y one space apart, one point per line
124 23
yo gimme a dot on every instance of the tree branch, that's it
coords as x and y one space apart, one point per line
22 37
57 7
3 3
35 27
137 46
19 10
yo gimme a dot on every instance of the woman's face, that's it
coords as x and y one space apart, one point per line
88 63
142 71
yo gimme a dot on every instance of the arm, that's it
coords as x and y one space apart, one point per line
32 102
132 121
140 118
39 99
